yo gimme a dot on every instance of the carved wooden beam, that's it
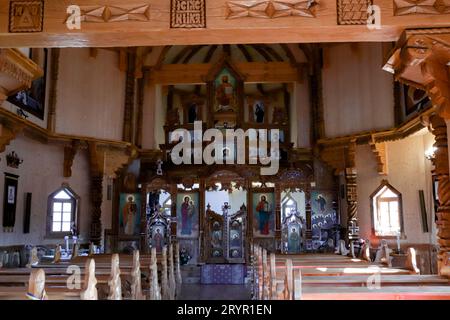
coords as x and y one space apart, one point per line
54 71
69 154
421 59
196 73
380 152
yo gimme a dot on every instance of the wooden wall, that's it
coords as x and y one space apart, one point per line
90 94
357 93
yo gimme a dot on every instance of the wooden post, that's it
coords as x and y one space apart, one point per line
136 286
36 285
288 281
265 275
297 290
177 265
90 282
114 282
75 250
352 196
366 251
57 257
129 98
34 259
155 290
273 276
260 274
440 162
96 194
164 280
172 284
54 72
411 261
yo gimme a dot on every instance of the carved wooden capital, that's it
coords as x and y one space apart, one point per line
420 59
7 134
69 154
380 152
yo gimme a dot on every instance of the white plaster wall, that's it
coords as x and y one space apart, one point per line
357 93
41 173
90 94
409 172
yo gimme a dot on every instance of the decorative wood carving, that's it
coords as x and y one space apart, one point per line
116 13
172 283
178 266
136 286
17 72
90 282
380 152
165 291
57 257
114 282
26 16
96 194
365 251
69 154
441 169
34 259
352 12
7 134
411 261
130 87
36 285
54 72
188 14
270 9
155 290
420 59
351 188
75 250
405 7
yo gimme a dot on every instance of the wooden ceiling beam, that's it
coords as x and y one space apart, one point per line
255 72
322 23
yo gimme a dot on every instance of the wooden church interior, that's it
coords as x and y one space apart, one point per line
359 208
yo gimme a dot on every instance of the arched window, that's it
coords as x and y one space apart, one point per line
386 208
62 212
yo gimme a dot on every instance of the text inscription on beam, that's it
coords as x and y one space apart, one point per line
188 14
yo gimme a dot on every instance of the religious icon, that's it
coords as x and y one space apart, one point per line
294 240
259 110
264 217
158 240
225 91
323 216
129 215
187 213
192 112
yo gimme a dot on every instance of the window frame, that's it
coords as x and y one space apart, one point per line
373 211
75 200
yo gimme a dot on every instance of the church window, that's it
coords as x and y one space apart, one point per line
386 208
62 212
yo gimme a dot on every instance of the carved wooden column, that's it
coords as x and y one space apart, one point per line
440 162
144 246
96 193
129 99
54 71
278 216
351 191
308 215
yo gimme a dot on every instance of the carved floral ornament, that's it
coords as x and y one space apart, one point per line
270 9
